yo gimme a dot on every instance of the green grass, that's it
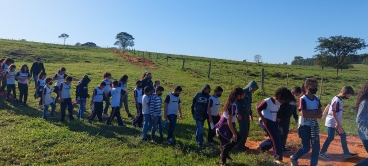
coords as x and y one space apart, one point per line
29 140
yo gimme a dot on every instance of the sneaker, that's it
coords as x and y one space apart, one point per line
286 150
211 143
324 156
153 141
350 155
278 161
293 162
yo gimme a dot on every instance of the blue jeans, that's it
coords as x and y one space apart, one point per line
147 125
82 107
155 122
46 110
305 135
365 161
199 132
331 135
172 120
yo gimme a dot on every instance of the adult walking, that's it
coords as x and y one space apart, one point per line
36 69
245 110
147 81
362 119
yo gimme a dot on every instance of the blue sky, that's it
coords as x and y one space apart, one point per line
234 29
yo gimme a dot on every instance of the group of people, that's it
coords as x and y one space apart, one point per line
274 112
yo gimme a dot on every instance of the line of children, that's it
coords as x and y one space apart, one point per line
334 123
171 111
267 111
225 129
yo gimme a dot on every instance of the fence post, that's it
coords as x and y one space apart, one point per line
149 55
262 80
287 80
320 92
167 59
143 54
134 51
209 70
182 67
156 55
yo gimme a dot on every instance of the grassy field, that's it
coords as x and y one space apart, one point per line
29 140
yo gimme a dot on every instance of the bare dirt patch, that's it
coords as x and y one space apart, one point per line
334 151
141 62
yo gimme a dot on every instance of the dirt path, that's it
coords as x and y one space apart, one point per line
334 151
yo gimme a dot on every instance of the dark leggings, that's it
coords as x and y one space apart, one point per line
9 88
3 84
225 149
23 92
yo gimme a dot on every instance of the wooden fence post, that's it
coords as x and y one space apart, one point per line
149 55
134 51
182 67
167 59
287 80
262 80
156 55
209 70
143 54
320 91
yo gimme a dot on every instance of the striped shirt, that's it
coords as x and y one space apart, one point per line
155 105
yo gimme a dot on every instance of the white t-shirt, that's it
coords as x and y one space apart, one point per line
214 103
336 105
145 105
233 110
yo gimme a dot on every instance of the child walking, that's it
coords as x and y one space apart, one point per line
310 111
124 97
267 110
171 110
47 100
287 109
213 113
115 93
156 112
107 78
81 95
59 77
23 76
65 99
146 112
10 82
225 129
137 121
97 99
40 85
334 123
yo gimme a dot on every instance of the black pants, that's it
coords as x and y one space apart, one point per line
40 96
98 108
212 134
107 104
115 112
3 84
9 88
225 149
244 126
66 103
139 118
285 124
23 92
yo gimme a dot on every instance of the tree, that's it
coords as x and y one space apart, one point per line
89 44
64 36
78 44
337 48
257 58
124 40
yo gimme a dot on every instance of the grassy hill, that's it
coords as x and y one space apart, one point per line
28 139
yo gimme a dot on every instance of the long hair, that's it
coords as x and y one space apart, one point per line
123 79
233 97
144 75
22 69
363 95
